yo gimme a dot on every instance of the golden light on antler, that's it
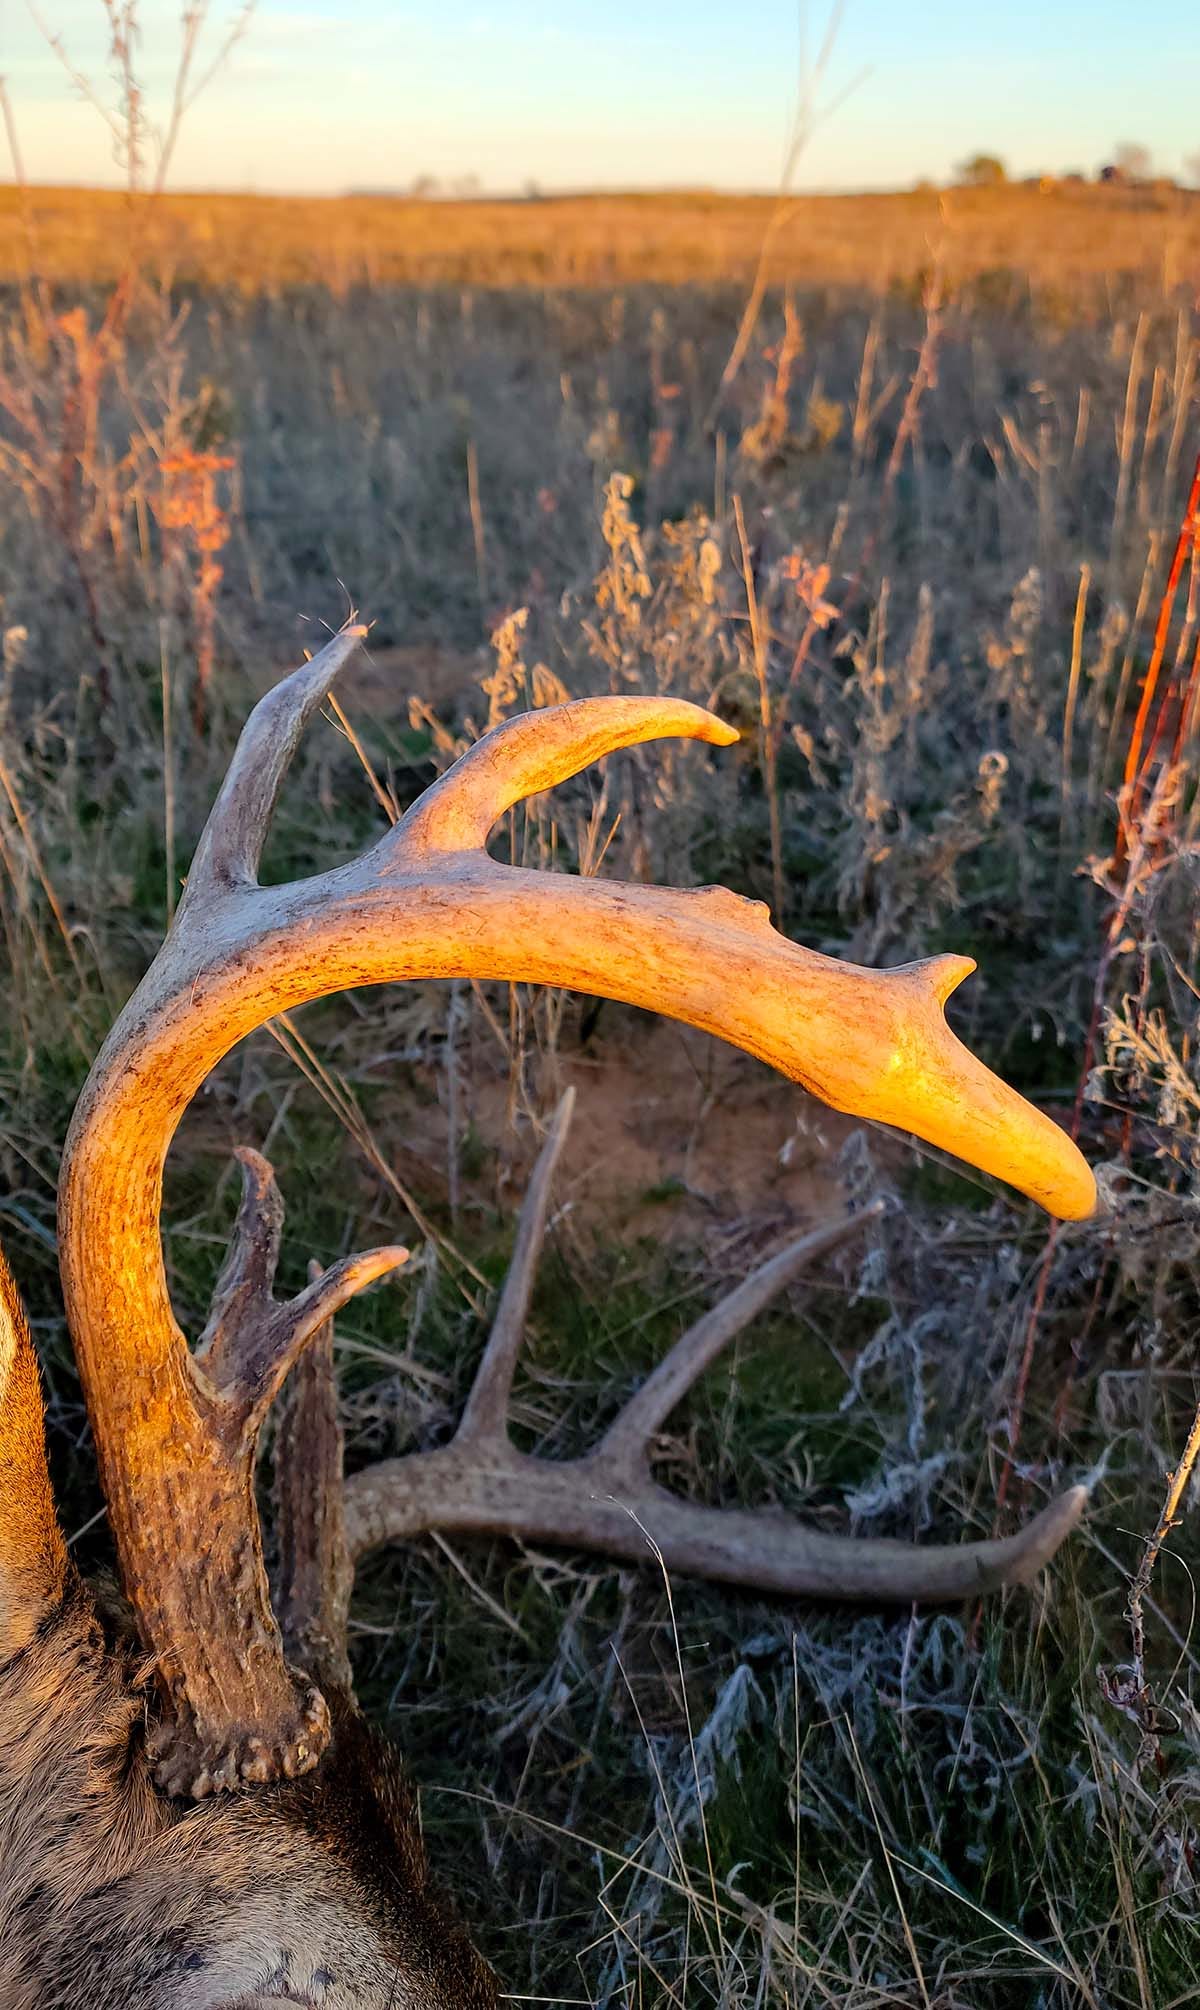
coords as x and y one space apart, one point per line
898 1063
33 1556
176 1435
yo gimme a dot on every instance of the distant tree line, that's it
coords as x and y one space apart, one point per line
1131 162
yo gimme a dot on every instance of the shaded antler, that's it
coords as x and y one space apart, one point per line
480 1484
314 1572
176 1434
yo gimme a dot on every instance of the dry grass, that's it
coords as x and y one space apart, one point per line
1016 238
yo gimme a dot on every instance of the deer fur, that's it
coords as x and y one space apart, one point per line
113 1897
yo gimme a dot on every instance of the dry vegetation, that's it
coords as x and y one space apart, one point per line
1049 239
917 550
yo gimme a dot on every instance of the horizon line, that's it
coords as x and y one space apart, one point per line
450 196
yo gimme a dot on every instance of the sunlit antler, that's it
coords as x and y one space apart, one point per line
33 1556
176 1434
480 1484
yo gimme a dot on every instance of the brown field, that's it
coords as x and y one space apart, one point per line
1052 238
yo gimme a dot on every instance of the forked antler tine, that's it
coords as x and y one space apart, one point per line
231 847
314 1574
248 1272
626 1443
251 1343
486 1412
536 751
270 1348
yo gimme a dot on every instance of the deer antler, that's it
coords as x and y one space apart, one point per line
176 1433
315 1572
33 1556
480 1484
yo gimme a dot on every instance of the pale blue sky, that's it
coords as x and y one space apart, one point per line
323 95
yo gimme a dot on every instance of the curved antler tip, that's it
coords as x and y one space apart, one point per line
1066 1510
536 750
1039 1540
337 647
1079 1202
936 1088
350 631
331 1289
377 1262
944 974
306 685
1055 1173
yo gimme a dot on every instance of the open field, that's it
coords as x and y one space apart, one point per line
916 552
1021 237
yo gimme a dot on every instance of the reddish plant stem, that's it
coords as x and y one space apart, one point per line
1134 780
1135 839
1113 936
1186 717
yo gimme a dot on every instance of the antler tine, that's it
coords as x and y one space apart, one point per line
486 1413
536 751
314 1574
426 901
248 1272
230 850
266 1348
625 1445
250 1343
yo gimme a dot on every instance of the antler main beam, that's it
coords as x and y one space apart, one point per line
426 901
588 1504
